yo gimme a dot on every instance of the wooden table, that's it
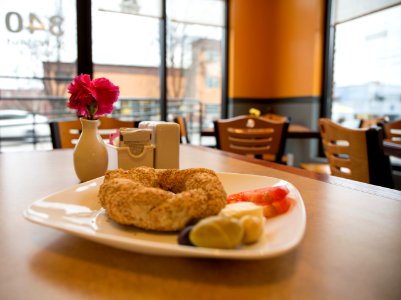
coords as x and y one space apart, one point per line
392 148
351 248
302 132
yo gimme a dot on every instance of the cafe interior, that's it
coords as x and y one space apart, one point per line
170 149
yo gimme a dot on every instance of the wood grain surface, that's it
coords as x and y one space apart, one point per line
351 248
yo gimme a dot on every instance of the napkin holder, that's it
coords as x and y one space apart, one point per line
121 157
166 139
158 142
134 149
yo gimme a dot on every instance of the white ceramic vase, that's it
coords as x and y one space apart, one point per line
90 153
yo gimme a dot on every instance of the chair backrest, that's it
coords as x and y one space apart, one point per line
250 135
356 154
392 131
183 129
64 134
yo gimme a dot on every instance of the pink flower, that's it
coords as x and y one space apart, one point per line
92 98
105 93
80 94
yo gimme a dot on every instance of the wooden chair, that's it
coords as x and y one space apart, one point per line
356 154
183 129
392 131
250 135
64 134
367 123
324 168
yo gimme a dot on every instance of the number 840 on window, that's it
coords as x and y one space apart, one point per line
15 23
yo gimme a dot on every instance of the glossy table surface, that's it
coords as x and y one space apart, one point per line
351 248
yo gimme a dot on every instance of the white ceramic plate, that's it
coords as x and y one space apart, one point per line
76 211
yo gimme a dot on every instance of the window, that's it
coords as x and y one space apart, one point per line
211 82
37 62
367 67
212 55
195 30
126 50
40 58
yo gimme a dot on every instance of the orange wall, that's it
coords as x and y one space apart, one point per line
276 48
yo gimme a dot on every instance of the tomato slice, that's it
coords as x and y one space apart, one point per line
281 206
269 211
273 199
261 196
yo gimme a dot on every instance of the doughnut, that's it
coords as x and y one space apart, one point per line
161 199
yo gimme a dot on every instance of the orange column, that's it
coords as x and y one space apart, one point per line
275 48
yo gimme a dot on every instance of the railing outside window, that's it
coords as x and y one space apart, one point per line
21 129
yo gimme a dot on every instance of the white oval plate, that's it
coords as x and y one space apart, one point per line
76 210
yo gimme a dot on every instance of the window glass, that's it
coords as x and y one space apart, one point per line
148 8
39 55
367 68
346 10
126 47
38 44
201 12
194 60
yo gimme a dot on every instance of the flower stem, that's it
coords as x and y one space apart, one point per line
92 109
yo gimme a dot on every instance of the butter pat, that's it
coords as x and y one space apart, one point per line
250 217
165 137
253 228
240 209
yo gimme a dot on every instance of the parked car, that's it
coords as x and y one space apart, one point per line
21 124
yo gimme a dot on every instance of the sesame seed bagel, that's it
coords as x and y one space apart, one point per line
161 199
